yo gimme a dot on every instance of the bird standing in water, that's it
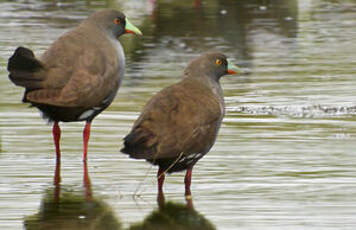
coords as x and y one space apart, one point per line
78 76
179 125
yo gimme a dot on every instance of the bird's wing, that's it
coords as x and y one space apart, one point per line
183 118
78 71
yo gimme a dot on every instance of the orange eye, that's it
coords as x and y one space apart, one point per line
117 21
218 62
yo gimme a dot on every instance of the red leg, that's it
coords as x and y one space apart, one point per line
86 135
57 174
86 182
160 179
56 182
187 182
56 131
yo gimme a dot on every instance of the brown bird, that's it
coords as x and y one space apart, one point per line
179 125
78 76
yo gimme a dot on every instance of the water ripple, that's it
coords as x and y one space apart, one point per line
314 111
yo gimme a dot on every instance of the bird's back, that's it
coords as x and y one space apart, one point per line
80 65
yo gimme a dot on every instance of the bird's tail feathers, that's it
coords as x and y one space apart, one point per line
139 144
25 69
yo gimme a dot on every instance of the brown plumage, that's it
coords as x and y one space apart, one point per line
178 126
183 118
80 73
81 70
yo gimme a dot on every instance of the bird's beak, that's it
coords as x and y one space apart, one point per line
131 29
232 69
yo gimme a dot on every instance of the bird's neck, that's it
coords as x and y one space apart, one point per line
208 81
96 29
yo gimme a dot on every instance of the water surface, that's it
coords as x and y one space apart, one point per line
284 157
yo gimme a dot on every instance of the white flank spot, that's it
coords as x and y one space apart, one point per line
86 114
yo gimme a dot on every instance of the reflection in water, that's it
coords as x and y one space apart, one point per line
64 208
256 20
172 216
182 26
70 209
160 195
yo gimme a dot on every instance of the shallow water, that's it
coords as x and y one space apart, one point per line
284 157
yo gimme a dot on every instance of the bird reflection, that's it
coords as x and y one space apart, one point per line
64 208
174 216
188 198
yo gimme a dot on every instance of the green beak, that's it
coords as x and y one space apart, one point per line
232 69
131 29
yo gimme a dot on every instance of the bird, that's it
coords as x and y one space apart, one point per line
180 123
78 76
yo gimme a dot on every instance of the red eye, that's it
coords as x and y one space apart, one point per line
117 21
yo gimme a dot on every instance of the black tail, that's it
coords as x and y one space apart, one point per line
139 144
23 67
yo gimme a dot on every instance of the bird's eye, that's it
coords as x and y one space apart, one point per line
218 62
117 21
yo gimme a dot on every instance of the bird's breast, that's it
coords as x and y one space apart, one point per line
121 57
217 90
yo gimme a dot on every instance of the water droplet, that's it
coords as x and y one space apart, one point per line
223 12
263 7
182 45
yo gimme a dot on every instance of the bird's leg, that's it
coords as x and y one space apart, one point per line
56 182
56 131
57 174
160 179
86 135
86 181
187 182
